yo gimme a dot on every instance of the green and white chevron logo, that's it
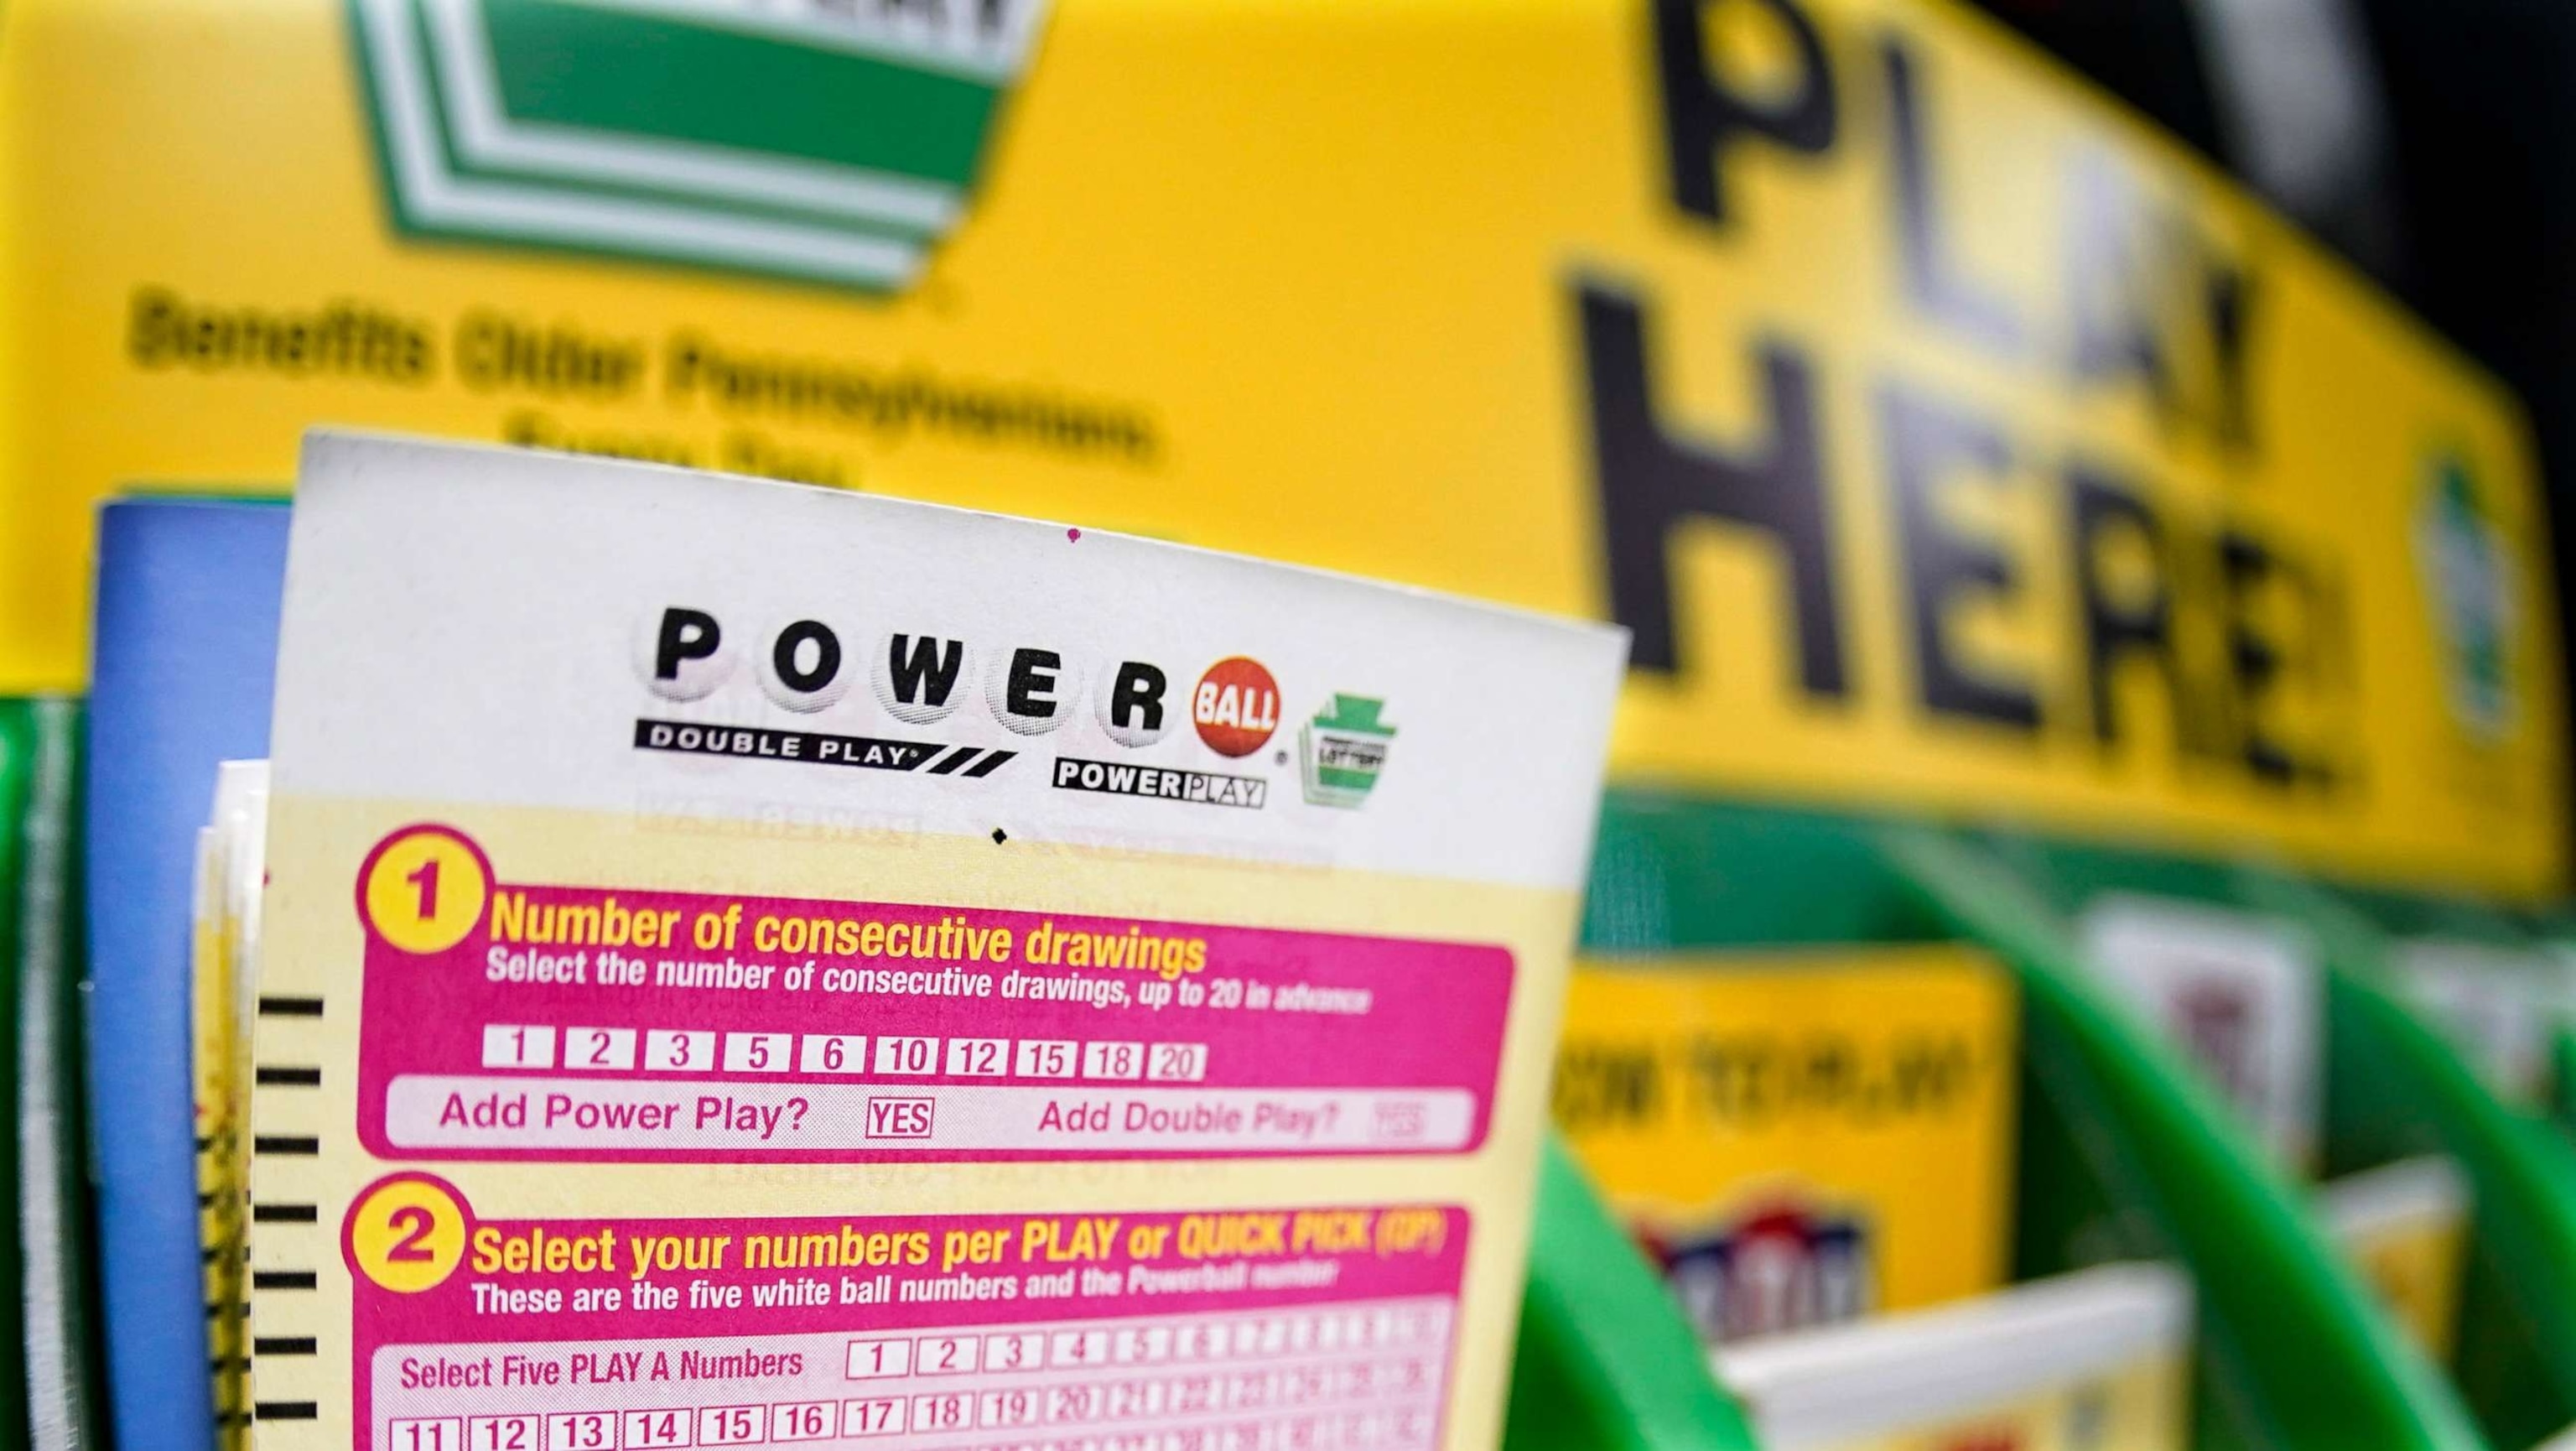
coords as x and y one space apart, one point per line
828 140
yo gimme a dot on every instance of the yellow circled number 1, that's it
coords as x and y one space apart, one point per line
425 890
408 1235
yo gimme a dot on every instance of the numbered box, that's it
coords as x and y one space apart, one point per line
1072 1404
880 1359
978 1057
446 1433
1249 1390
517 1045
947 1355
504 1433
1067 1348
907 1056
804 1421
1045 1058
832 1053
1113 1060
581 1431
882 1416
1301 1332
607 1050
1199 1340
944 1411
1129 1399
1305 1384
732 1425
1003 1409
1176 1062
1381 1327
1015 1350
1434 1320
759 1052
670 1050
647 1429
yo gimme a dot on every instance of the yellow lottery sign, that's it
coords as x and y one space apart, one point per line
1800 1137
1943 436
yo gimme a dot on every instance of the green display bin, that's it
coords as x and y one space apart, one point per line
2562 1083
1605 1361
2398 1088
2395 1089
2123 1156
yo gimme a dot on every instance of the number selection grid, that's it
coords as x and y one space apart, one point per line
1363 1377
862 1055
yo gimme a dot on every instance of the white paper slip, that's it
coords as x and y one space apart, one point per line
2241 994
2104 1348
747 964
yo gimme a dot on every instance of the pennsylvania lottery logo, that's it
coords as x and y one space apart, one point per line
1341 751
833 141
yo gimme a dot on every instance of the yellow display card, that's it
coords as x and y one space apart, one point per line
2405 1226
1945 437
1800 1137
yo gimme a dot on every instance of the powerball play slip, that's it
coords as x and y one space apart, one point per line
752 965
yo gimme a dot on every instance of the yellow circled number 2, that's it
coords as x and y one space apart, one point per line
408 1235
425 890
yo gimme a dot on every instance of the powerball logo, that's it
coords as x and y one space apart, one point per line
694 663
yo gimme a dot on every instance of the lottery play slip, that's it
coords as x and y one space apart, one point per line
751 965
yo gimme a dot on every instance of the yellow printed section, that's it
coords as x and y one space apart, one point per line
215 1036
1945 437
406 1234
1802 1137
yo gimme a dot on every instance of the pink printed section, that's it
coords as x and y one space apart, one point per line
1266 1330
896 1031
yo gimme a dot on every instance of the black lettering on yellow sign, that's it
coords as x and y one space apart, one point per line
1653 481
1703 117
1757 1079
2241 635
1932 282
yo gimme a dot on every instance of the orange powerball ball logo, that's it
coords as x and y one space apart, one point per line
1236 706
